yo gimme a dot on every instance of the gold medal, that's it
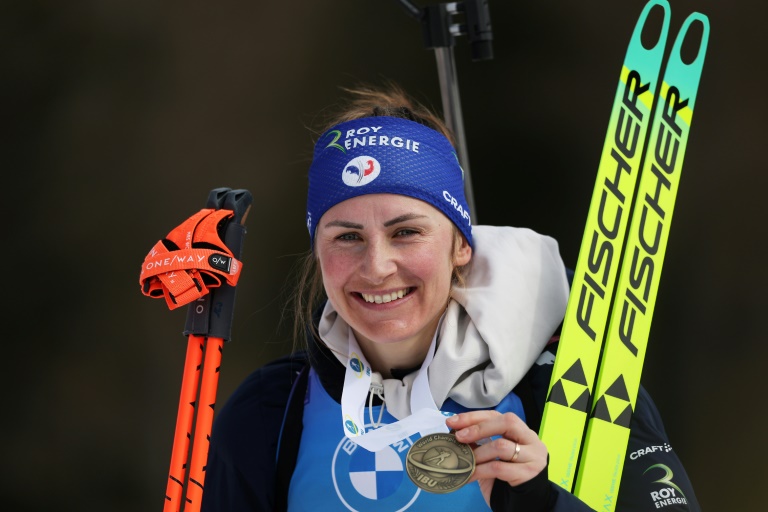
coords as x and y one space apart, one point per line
440 464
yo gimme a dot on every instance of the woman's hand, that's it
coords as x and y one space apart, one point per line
516 457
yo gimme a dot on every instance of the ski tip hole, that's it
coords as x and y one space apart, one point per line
689 50
650 37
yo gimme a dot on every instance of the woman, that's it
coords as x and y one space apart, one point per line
416 320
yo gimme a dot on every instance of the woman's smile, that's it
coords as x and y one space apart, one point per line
385 298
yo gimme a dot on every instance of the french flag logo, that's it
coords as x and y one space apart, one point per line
361 171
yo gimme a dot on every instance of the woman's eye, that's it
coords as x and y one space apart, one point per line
348 237
406 232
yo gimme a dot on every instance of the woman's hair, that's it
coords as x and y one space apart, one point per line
389 100
364 101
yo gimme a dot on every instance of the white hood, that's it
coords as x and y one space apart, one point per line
494 327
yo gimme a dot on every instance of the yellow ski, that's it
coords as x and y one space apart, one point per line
618 380
586 317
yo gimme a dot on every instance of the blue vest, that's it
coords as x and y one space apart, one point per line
333 473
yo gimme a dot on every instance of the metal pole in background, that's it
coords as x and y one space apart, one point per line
449 92
439 33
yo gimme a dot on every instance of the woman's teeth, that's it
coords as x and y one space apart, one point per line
387 297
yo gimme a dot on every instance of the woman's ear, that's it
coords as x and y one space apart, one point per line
463 252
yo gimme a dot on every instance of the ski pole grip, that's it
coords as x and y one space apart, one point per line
212 314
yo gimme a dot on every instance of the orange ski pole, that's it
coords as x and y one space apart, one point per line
203 423
208 326
184 421
211 316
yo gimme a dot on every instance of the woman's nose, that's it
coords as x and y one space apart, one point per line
378 262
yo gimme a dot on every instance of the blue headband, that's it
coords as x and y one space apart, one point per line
386 155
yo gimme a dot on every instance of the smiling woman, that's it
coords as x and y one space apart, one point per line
411 319
388 274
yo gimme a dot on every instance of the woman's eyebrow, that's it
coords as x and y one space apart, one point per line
391 222
403 218
343 224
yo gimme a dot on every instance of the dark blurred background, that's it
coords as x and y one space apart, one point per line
119 116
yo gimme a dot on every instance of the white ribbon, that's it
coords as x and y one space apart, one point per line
425 417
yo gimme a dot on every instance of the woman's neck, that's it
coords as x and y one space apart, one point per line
384 357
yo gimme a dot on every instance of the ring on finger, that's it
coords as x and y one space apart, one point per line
517 452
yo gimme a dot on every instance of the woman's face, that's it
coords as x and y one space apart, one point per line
387 262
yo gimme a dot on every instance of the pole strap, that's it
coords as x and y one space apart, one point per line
191 260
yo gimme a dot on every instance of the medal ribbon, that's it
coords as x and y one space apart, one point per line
425 417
